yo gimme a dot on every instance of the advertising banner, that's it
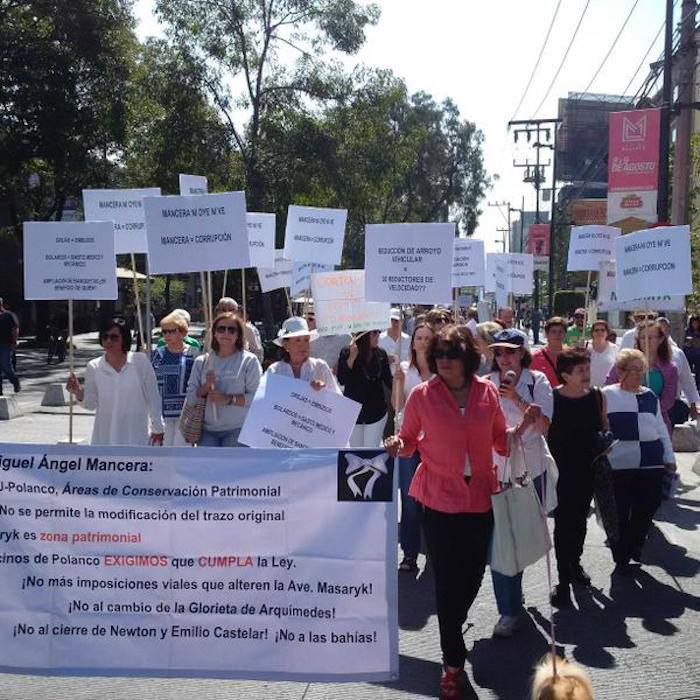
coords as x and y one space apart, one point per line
538 238
69 260
469 263
409 263
276 277
315 234
125 209
589 211
148 562
633 164
589 246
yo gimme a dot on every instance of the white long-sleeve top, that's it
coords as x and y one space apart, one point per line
312 369
686 381
127 403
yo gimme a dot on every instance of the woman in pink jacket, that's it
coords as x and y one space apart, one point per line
456 422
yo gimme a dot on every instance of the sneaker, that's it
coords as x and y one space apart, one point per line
506 626
579 575
452 684
561 596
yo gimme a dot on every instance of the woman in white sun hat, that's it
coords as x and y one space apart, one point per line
295 340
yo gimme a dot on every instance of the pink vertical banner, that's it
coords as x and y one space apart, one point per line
633 164
538 239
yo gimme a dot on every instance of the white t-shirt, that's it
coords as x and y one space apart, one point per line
602 363
686 382
389 345
629 338
314 368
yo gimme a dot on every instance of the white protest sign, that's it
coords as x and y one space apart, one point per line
469 263
315 234
289 413
125 209
196 233
193 184
261 239
69 260
276 277
589 246
158 564
301 276
502 280
340 305
409 263
515 270
653 260
607 295
490 281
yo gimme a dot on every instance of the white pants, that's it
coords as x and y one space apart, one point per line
368 434
173 436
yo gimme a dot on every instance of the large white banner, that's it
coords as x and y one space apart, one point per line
607 295
340 305
193 184
589 246
197 233
145 561
315 234
69 260
261 239
301 276
276 277
409 263
125 209
469 263
653 260
289 413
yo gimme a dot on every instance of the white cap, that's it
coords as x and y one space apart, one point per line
184 314
294 327
395 314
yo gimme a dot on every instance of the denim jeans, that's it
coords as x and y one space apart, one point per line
409 528
220 438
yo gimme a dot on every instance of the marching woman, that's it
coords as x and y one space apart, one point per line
603 352
456 422
227 377
521 390
364 372
121 388
295 340
408 376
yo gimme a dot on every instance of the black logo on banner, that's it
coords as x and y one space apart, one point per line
365 475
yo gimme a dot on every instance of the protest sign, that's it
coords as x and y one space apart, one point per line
469 263
589 246
69 260
301 276
409 263
513 272
276 277
196 233
261 239
340 305
607 295
193 184
490 281
289 413
125 209
501 280
315 234
142 561
656 259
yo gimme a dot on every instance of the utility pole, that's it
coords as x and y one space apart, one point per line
508 209
685 79
552 228
665 136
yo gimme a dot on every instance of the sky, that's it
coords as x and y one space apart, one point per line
481 55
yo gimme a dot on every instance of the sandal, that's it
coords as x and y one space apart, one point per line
408 564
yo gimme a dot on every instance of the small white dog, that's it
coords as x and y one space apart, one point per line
571 682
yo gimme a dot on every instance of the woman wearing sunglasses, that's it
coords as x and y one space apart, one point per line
227 377
456 422
522 391
121 388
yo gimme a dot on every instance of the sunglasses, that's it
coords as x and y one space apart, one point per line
226 329
168 331
447 354
111 336
500 352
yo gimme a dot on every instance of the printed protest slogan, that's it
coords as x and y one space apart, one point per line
289 413
276 277
125 209
469 263
69 260
301 276
409 263
315 234
261 239
193 184
590 246
340 305
124 561
197 233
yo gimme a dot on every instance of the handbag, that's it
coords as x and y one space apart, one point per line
603 483
520 534
191 420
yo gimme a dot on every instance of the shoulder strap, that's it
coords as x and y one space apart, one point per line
601 410
549 359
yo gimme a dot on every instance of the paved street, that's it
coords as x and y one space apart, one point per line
639 637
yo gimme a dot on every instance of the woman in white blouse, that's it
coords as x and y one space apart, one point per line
410 374
121 388
295 340
603 353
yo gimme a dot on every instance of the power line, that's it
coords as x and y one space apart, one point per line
537 62
563 60
644 58
612 46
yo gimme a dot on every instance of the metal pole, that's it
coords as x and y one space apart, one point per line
665 136
71 368
137 301
243 295
149 328
552 227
